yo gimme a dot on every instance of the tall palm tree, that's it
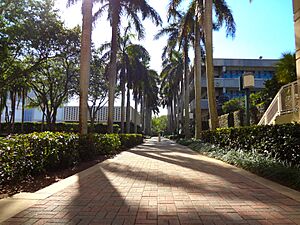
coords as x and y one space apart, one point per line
171 77
138 60
124 42
115 9
85 55
214 121
171 58
151 98
197 78
223 15
180 36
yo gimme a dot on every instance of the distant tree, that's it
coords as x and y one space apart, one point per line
285 72
286 69
233 105
52 81
30 34
238 104
159 124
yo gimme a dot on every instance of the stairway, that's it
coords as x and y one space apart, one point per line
285 106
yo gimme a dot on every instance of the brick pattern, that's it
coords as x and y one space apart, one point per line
162 184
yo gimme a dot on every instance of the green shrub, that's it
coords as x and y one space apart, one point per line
185 142
30 154
107 143
30 127
254 162
130 140
281 142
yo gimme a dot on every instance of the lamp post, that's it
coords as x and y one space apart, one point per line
248 83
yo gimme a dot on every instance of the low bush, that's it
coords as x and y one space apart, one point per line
130 140
30 127
31 154
254 162
281 142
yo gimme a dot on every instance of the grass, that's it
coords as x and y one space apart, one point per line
259 164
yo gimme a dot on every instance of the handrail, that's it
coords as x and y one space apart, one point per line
284 102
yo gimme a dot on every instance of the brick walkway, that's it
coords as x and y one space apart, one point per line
162 183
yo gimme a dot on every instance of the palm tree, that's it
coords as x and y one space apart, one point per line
172 59
115 9
171 77
286 68
197 79
124 41
150 98
180 36
138 60
214 121
224 15
85 55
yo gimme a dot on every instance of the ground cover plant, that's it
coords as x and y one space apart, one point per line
269 151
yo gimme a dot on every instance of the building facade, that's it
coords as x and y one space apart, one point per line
227 73
70 114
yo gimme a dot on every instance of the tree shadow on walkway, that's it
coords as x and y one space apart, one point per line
161 183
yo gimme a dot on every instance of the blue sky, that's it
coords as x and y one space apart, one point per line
264 28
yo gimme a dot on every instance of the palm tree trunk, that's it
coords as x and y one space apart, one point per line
135 114
145 116
122 105
210 67
148 121
128 112
0 114
13 111
23 110
172 117
197 82
113 65
85 55
92 115
177 113
169 118
182 105
187 93
141 113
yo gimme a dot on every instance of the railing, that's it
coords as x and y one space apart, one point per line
286 101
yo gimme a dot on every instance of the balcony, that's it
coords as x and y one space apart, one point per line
230 83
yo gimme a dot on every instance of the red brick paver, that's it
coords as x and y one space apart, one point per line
158 184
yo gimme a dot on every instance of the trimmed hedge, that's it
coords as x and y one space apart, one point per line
30 127
129 141
31 154
281 142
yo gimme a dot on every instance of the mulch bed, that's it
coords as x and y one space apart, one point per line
33 184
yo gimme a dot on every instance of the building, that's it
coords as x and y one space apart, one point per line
70 114
227 73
